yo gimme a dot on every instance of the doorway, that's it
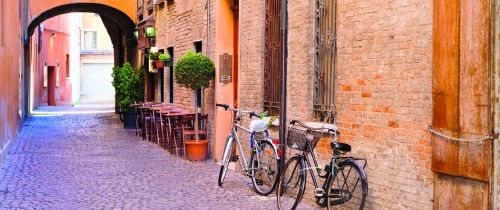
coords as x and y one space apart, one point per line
51 86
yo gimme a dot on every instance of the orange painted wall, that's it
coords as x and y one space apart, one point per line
11 55
53 46
128 7
224 37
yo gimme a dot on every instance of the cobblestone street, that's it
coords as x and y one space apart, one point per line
88 161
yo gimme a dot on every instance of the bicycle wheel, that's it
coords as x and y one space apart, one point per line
264 162
226 157
349 187
292 184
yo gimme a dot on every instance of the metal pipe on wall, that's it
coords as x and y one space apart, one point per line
284 56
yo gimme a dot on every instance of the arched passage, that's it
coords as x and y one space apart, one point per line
117 22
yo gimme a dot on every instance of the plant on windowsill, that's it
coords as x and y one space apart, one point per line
158 59
195 71
129 88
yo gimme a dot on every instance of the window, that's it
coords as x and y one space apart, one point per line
198 47
171 81
90 40
272 62
67 66
325 57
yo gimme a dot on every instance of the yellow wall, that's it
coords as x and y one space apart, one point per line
92 22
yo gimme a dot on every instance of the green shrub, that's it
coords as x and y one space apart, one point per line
194 71
129 86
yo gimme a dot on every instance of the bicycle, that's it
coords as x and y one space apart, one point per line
341 176
263 164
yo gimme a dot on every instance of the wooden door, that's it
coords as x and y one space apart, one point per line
461 104
51 86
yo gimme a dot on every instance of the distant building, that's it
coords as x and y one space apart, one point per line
97 60
51 78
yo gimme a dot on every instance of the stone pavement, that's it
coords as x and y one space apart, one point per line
87 161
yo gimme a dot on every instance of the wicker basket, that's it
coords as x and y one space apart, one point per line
300 138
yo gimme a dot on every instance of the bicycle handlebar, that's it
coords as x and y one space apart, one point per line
330 130
226 107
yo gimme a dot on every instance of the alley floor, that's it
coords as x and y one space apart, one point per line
88 161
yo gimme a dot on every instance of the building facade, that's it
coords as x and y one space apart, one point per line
391 70
97 61
51 77
11 71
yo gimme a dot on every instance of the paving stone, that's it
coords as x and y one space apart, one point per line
88 161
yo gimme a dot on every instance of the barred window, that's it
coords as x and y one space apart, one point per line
325 58
272 62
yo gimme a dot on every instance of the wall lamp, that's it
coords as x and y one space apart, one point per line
150 31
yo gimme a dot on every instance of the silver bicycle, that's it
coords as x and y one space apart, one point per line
264 158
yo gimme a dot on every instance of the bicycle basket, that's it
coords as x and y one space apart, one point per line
299 138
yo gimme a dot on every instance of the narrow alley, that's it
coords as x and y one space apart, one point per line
88 161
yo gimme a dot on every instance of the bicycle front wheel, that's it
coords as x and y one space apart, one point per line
264 168
292 184
226 157
348 189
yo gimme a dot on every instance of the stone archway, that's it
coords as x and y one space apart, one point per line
118 24
117 19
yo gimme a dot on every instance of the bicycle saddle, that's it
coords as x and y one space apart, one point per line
340 146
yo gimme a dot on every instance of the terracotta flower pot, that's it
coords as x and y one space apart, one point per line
196 150
157 64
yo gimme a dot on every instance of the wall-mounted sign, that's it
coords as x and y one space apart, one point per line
225 68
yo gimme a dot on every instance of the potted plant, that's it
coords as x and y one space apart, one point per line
129 88
194 71
158 59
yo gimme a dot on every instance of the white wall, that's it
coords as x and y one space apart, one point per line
75 74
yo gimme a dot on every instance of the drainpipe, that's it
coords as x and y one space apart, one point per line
208 28
284 56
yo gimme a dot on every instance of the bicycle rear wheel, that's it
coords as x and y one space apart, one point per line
264 174
349 187
292 184
226 157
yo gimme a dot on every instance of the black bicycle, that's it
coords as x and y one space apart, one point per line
345 184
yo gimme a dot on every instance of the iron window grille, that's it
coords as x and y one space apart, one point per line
325 57
272 62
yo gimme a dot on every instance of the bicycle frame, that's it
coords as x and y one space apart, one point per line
234 133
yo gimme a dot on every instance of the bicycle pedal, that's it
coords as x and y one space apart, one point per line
234 158
319 192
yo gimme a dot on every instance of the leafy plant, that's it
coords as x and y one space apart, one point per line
163 57
194 71
129 86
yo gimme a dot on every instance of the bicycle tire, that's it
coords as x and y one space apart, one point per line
339 192
292 184
228 150
268 160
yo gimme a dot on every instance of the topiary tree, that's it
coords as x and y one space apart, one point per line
194 71
129 86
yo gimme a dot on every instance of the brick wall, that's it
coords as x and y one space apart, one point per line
384 57
178 25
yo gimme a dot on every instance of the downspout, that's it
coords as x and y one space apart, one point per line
284 56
